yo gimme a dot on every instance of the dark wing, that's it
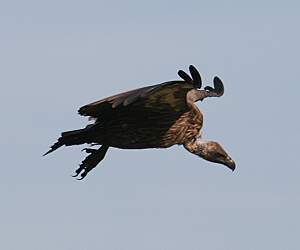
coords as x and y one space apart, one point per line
162 98
169 96
196 78
217 90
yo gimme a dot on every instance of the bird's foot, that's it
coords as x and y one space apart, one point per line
91 161
84 166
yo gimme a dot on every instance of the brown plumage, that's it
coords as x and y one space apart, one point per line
157 116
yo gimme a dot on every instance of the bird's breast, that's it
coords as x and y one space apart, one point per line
185 129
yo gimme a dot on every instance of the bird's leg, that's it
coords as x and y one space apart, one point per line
91 161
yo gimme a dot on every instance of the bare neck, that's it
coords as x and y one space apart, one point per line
198 147
195 95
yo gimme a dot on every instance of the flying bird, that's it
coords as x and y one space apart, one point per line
157 116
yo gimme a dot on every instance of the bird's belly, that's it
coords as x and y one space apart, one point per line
132 134
153 131
138 138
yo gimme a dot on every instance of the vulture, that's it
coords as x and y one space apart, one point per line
157 116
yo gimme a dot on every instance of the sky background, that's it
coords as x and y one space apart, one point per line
56 56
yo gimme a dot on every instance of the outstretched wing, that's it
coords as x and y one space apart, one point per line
165 96
168 97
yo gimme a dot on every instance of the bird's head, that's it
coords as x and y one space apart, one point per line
214 152
210 151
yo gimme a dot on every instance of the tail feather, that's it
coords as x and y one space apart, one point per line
55 146
68 138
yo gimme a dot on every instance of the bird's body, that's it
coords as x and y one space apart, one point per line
155 131
140 125
158 116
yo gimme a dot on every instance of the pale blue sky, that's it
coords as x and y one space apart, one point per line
58 55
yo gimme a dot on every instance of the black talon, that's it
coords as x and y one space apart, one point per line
79 170
85 171
79 179
91 161
83 175
89 150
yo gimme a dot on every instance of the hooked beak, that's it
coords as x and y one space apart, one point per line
230 163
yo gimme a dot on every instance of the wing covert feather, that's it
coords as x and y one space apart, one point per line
168 96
